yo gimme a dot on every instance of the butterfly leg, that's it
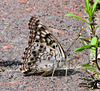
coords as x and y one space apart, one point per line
46 73
53 72
66 74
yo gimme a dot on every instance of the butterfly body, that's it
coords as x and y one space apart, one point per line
44 52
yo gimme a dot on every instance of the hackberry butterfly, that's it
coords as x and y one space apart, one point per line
44 53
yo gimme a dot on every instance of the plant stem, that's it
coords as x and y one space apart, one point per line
92 25
96 57
92 30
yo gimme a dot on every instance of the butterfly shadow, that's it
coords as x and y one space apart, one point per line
10 63
57 73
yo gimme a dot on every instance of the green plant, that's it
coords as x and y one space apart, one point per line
93 41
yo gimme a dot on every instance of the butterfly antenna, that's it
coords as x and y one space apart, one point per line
75 39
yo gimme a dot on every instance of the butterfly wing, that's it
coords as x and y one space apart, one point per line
43 49
39 57
40 33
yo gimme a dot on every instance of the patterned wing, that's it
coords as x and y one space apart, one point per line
39 57
44 52
40 33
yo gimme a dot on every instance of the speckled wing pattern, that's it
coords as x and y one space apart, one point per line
44 52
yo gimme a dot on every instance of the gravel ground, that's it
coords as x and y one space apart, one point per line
14 17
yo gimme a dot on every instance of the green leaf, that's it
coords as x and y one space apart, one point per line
90 15
91 9
96 27
98 53
85 9
87 4
72 15
86 66
85 43
81 37
94 40
92 69
83 47
88 10
94 5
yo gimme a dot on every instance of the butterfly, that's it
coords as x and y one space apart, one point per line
44 53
